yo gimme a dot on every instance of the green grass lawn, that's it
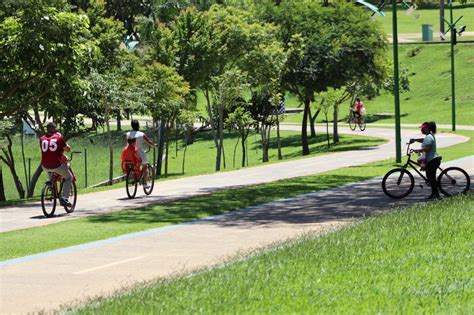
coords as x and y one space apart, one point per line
200 156
411 24
430 83
412 260
40 239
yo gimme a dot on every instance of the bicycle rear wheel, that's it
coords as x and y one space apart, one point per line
131 183
362 124
352 122
72 198
48 200
151 180
453 181
398 183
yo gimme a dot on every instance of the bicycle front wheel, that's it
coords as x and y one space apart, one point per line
352 122
72 198
453 181
150 183
131 183
362 124
398 183
48 200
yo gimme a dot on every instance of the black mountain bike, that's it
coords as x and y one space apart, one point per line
53 189
136 176
356 121
399 182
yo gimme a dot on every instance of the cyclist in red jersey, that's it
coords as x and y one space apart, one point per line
52 146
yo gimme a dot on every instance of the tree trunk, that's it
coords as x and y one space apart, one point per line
441 16
189 136
176 141
24 158
327 128
184 156
335 135
119 121
111 149
211 120
9 160
304 126
161 147
34 180
2 188
243 144
265 143
312 121
221 138
311 124
167 149
235 151
280 155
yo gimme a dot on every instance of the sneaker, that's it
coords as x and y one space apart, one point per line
434 197
147 186
64 202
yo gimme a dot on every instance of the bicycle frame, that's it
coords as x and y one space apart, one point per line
414 165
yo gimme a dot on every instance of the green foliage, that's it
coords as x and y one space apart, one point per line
46 54
165 90
340 44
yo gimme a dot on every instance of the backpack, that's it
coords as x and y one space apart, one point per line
130 157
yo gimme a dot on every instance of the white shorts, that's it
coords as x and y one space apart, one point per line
143 157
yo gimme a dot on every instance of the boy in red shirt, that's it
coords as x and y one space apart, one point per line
130 156
52 146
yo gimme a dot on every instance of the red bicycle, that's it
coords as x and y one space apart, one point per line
53 188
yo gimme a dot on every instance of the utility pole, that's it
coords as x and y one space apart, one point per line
396 88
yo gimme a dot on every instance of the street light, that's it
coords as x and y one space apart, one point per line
396 79
452 28
396 88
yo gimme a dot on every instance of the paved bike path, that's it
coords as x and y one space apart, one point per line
47 281
30 215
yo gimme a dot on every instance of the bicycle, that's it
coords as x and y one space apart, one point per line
356 121
51 192
135 175
399 182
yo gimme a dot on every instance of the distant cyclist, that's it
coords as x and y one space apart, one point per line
433 160
358 108
53 160
140 137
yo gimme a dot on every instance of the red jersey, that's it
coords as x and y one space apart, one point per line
359 106
52 148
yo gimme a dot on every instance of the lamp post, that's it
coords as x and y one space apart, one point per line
396 88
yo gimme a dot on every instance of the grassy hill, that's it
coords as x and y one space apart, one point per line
411 24
430 82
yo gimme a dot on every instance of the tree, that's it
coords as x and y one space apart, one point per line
45 55
228 89
165 94
241 121
7 129
340 44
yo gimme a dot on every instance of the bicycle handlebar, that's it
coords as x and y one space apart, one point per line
72 155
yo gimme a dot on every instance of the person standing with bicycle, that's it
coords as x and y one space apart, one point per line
52 146
139 138
428 147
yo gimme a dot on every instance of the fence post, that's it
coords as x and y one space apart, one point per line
85 166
